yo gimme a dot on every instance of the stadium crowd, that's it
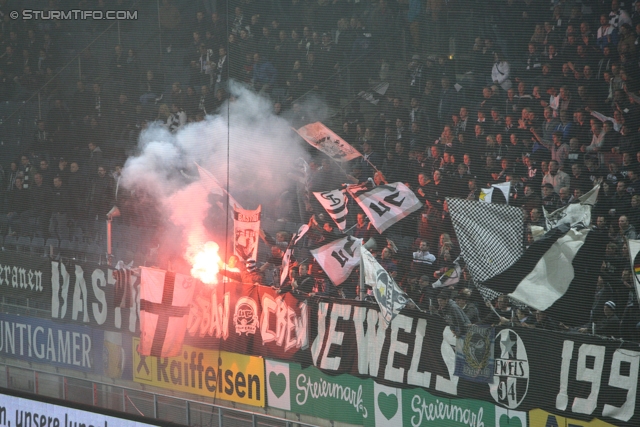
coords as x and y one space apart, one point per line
546 98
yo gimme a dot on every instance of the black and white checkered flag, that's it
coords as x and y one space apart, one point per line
491 235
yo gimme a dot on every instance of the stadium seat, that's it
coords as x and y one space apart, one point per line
23 244
37 246
94 253
81 250
10 243
52 247
67 249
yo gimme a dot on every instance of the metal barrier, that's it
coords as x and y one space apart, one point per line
134 401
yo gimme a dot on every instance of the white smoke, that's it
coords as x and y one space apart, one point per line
247 148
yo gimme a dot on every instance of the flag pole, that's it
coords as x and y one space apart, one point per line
362 285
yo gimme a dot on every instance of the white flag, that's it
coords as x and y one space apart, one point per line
634 249
325 140
338 258
389 296
211 184
246 231
573 213
286 259
449 277
385 204
486 194
335 203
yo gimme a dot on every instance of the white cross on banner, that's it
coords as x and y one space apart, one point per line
338 258
385 204
325 140
335 203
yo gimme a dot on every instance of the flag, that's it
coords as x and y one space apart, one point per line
490 235
555 272
634 249
385 204
165 298
388 294
573 213
556 269
325 140
246 232
486 194
338 258
369 95
286 259
449 278
211 184
335 203
123 294
474 354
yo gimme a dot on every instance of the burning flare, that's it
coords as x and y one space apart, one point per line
204 262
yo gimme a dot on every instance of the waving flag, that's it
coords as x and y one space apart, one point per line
486 194
385 204
325 140
164 308
335 203
554 272
634 249
338 258
211 184
286 259
388 294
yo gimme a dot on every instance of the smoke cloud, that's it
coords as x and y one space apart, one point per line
246 147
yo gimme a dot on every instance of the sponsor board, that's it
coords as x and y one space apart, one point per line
19 411
349 399
308 391
541 418
210 373
42 341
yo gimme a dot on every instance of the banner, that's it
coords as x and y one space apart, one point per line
474 354
246 232
576 376
335 203
213 374
248 319
75 292
38 340
338 258
385 204
325 140
165 300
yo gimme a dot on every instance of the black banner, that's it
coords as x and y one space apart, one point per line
77 292
576 376
248 319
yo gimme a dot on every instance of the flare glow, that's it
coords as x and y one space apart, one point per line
204 262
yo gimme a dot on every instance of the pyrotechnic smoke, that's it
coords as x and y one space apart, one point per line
247 148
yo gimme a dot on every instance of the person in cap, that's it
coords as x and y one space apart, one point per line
608 326
251 275
452 313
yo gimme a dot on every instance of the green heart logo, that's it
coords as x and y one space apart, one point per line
505 421
278 383
388 404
